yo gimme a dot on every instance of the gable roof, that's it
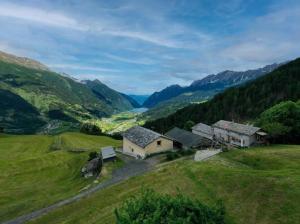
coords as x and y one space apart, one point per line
186 138
203 128
141 136
108 152
236 127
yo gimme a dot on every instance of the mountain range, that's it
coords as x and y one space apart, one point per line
239 103
33 96
175 97
211 83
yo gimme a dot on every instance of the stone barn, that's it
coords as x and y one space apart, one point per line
141 142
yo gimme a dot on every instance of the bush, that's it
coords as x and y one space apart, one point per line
92 155
90 129
282 122
172 155
188 125
187 152
151 208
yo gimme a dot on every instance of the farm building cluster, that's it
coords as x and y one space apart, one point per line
140 142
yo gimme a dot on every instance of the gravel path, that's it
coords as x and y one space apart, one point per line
131 168
205 154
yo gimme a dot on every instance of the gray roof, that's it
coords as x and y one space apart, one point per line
108 152
141 136
186 138
203 128
236 127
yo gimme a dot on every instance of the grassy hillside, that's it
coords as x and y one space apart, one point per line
119 102
170 106
258 186
18 115
34 176
53 97
240 103
120 122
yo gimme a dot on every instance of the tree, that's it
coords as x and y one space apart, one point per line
282 122
92 155
151 208
188 125
90 129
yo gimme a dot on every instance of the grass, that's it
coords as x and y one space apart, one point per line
258 185
120 122
33 175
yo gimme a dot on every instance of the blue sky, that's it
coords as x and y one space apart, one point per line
141 46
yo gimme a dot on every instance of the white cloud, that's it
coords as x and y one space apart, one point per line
141 61
37 15
82 67
273 37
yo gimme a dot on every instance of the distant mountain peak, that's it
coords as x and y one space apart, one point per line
215 82
23 61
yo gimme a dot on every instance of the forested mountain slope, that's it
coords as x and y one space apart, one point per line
208 86
50 96
240 103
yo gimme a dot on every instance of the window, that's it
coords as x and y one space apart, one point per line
158 143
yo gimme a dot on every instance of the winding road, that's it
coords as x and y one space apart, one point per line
131 168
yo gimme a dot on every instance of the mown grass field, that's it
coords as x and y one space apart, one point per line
120 122
33 176
259 185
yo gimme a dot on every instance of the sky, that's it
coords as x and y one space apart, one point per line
142 46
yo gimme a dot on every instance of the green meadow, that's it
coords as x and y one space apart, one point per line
257 185
34 174
120 122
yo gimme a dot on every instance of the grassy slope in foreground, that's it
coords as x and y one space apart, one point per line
32 176
259 185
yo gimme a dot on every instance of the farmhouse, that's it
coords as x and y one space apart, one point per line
141 142
108 153
203 130
185 139
237 134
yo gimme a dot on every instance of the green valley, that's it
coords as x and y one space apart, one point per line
52 97
120 122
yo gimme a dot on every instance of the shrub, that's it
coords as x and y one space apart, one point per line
187 152
188 125
172 155
151 208
90 129
92 155
282 122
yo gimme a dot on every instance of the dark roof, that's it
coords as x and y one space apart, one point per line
108 152
186 138
92 165
141 136
235 127
203 128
